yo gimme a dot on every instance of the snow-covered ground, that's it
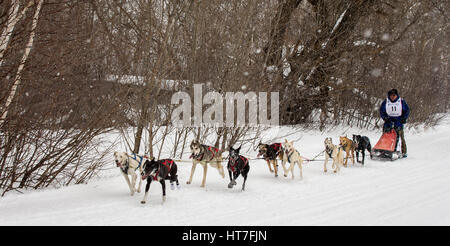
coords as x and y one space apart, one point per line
411 191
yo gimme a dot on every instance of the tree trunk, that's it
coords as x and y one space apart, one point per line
17 79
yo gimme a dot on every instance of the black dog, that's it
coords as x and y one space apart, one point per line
361 144
237 164
159 171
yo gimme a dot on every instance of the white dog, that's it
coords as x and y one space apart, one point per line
292 156
334 152
129 164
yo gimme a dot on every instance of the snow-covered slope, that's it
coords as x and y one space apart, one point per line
411 191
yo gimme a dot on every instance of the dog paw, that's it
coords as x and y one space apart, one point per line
172 186
142 202
187 182
178 187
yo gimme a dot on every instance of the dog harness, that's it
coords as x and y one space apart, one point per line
168 163
329 151
127 164
289 155
276 148
235 162
135 157
210 148
212 151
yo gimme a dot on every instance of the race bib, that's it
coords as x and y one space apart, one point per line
394 109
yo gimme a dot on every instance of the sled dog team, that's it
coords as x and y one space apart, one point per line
166 169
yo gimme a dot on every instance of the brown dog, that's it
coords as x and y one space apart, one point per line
270 154
349 147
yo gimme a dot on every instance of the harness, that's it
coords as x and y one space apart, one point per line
289 155
215 150
329 151
235 162
168 163
127 164
273 153
140 160
210 148
276 147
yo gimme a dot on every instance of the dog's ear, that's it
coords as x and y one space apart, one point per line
153 158
238 149
292 143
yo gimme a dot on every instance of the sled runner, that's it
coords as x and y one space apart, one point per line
385 148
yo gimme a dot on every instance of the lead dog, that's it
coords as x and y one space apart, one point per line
361 144
292 156
237 164
270 154
334 152
159 171
204 154
129 164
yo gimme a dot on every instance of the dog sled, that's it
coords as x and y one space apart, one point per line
384 150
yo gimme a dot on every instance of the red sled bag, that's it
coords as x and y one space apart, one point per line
385 147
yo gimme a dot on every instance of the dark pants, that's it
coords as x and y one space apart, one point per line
401 134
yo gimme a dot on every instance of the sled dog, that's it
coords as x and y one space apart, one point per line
334 152
159 171
237 164
204 154
292 156
270 154
361 144
349 148
128 165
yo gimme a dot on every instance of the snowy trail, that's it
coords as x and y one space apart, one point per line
411 191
